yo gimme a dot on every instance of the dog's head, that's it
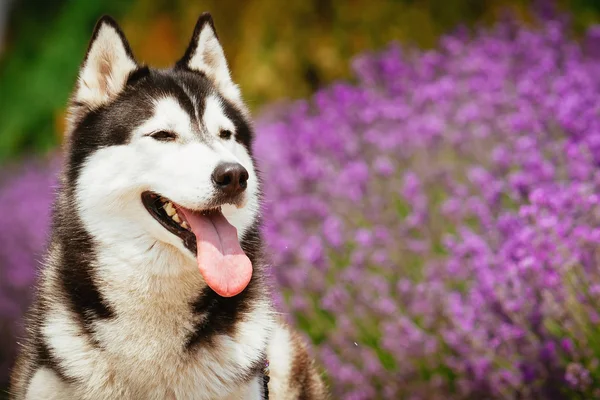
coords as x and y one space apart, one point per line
165 154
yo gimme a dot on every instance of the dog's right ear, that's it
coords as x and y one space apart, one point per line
204 54
106 67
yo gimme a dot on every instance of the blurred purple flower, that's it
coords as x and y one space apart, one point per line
434 228
457 229
27 194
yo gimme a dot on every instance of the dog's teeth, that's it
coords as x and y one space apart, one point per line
170 209
176 218
185 225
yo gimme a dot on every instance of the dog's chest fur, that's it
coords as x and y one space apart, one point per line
150 348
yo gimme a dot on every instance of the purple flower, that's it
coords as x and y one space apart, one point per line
458 214
434 228
27 193
577 376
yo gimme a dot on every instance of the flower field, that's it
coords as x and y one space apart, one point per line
433 227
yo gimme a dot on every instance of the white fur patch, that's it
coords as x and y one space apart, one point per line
281 357
214 117
46 385
66 338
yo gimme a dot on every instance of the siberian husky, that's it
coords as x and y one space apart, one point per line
153 285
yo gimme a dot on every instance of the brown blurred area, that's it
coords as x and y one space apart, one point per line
277 50
289 49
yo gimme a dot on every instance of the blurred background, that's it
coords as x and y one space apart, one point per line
449 123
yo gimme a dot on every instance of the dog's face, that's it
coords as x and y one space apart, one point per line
148 148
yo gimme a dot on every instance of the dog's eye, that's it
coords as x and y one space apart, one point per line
225 134
163 136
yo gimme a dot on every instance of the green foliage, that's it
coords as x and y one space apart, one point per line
39 70
275 52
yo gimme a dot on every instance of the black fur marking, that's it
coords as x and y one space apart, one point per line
243 131
185 101
218 315
108 20
79 283
196 85
102 127
204 19
137 75
251 244
75 269
266 380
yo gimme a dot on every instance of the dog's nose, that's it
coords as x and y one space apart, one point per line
230 178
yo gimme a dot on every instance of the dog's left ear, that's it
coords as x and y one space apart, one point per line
205 55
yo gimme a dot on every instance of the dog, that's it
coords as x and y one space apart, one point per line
153 284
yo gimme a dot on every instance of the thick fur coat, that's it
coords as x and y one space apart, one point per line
121 310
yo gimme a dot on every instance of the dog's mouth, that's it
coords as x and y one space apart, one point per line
208 235
172 218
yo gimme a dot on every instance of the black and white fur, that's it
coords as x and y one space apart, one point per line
122 311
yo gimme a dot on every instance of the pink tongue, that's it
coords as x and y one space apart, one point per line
222 262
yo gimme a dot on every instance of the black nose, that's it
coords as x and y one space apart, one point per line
230 178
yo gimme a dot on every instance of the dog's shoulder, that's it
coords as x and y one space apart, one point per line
293 372
33 353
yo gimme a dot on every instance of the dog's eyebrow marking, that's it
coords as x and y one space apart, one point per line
168 115
193 100
214 117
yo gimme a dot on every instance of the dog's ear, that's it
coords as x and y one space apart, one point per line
106 67
205 55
